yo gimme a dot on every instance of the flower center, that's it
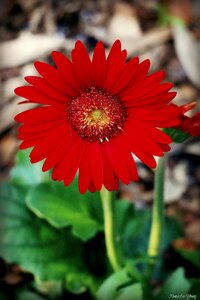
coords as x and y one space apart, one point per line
96 115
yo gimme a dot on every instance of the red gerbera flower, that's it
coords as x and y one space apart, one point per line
190 125
94 115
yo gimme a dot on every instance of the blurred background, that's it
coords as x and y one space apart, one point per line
166 32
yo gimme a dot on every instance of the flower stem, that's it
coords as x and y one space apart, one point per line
157 214
107 204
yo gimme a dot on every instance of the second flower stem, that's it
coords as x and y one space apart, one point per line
157 214
107 204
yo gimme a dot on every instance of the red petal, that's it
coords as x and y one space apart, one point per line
139 76
27 129
65 68
40 115
27 144
162 88
142 138
130 163
110 180
91 187
42 85
35 96
166 123
51 138
96 165
150 82
61 170
167 112
53 77
114 64
146 158
40 135
84 172
117 162
158 135
116 55
98 65
32 136
126 75
151 102
74 163
165 147
57 153
81 65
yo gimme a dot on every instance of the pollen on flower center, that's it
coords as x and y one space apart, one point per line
96 115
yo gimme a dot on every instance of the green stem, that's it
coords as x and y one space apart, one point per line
107 204
157 214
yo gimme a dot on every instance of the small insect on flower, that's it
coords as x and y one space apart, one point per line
94 114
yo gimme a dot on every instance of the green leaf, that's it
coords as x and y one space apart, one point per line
135 238
177 135
51 288
176 284
124 212
2 297
78 283
46 252
64 206
108 289
132 292
136 233
27 295
119 286
171 231
26 173
195 284
192 256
